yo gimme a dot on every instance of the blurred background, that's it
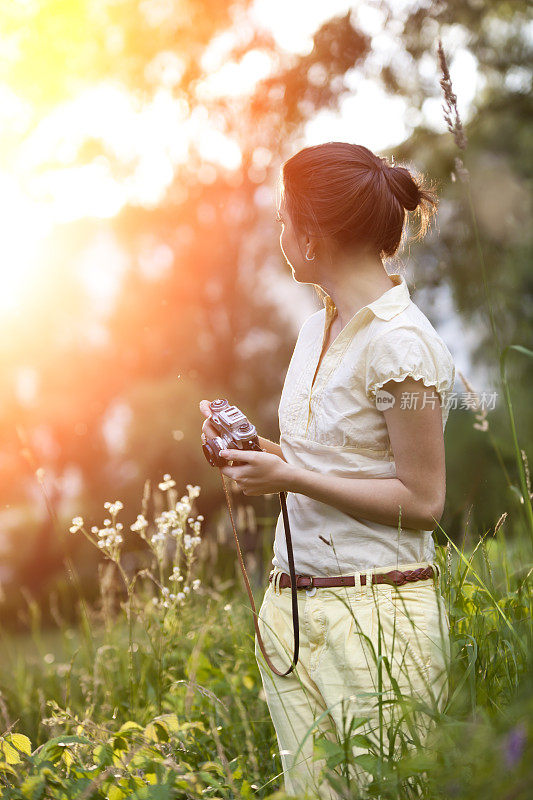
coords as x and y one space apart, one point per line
140 267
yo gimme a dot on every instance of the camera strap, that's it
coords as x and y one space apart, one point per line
292 572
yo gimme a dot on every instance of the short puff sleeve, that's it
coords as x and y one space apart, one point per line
408 352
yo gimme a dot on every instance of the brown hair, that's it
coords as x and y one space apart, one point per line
346 192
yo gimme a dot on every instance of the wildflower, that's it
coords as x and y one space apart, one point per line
482 423
514 745
167 483
77 524
455 126
114 508
140 524
181 597
175 575
451 115
196 583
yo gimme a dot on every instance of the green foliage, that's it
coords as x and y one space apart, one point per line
213 736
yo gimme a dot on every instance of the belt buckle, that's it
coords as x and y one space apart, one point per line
311 591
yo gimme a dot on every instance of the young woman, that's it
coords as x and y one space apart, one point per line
361 457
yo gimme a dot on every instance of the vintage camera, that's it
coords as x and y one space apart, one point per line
235 432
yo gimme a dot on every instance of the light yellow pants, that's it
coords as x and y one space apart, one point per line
346 634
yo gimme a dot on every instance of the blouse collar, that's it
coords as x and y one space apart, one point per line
389 304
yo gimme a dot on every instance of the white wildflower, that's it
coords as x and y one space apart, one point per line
77 524
167 483
140 524
175 574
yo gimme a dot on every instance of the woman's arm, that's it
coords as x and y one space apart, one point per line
419 487
271 447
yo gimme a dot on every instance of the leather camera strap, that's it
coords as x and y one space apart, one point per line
295 622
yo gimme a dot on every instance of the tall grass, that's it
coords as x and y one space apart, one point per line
200 727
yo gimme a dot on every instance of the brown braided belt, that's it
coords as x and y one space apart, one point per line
394 577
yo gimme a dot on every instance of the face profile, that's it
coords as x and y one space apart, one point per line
293 246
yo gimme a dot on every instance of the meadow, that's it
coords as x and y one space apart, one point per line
155 692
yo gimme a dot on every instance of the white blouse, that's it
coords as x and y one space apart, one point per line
331 422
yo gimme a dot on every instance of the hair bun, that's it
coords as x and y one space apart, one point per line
404 187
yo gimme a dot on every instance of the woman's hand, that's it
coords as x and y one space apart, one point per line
260 473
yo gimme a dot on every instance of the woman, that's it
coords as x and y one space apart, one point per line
361 456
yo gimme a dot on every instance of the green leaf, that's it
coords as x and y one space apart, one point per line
115 793
5 767
129 727
368 762
157 731
103 755
53 749
20 742
360 740
331 751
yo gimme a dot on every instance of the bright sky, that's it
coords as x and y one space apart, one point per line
34 199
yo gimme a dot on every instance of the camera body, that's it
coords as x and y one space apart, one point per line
235 432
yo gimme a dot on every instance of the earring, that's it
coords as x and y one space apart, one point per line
309 259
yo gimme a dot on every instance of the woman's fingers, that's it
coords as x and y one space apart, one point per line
207 429
204 408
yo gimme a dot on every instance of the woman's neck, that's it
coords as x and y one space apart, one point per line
354 284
